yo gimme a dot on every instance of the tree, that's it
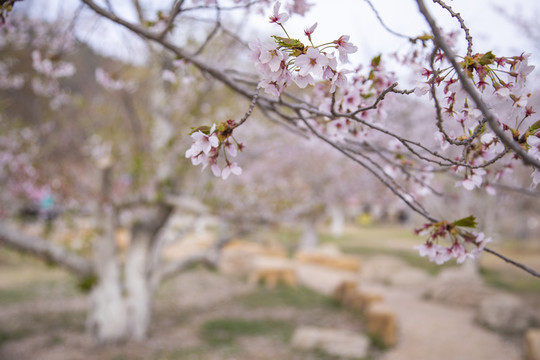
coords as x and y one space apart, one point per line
109 149
481 127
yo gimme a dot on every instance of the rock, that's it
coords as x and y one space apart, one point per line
458 286
382 323
346 293
368 297
328 255
272 271
381 268
238 256
532 344
332 341
409 277
503 312
321 279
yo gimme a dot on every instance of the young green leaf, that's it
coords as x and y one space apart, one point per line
469 222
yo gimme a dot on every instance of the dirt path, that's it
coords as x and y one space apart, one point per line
53 325
428 329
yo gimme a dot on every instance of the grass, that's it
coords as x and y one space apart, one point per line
11 335
42 323
410 257
520 283
371 234
285 296
33 286
223 331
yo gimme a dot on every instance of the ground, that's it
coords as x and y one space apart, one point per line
202 314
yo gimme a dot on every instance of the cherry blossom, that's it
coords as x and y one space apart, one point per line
345 48
473 179
277 17
311 62
272 56
104 79
464 244
207 143
203 142
231 168
308 31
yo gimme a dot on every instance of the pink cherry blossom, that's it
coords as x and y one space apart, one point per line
272 56
277 17
303 81
428 249
215 167
345 48
203 142
442 255
231 148
481 240
474 179
534 146
535 177
310 31
311 62
231 168
299 7
339 80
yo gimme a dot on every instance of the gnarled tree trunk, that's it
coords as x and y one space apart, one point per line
107 317
138 269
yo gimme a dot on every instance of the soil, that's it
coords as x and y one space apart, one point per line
49 324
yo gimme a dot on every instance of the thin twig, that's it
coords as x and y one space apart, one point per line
383 24
515 263
464 27
250 110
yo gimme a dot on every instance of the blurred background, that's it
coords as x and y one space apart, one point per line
114 246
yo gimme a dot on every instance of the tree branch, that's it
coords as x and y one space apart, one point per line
45 250
515 263
471 91
209 258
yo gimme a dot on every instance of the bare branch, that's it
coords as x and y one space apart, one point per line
515 263
372 171
46 250
464 27
209 258
210 35
383 24
176 9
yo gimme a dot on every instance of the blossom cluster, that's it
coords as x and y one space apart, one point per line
209 142
50 68
463 245
50 41
501 83
354 97
108 82
285 60
533 142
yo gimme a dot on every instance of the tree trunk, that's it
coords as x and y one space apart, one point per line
337 218
310 238
138 269
107 313
138 291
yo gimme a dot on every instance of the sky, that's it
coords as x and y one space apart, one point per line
491 29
